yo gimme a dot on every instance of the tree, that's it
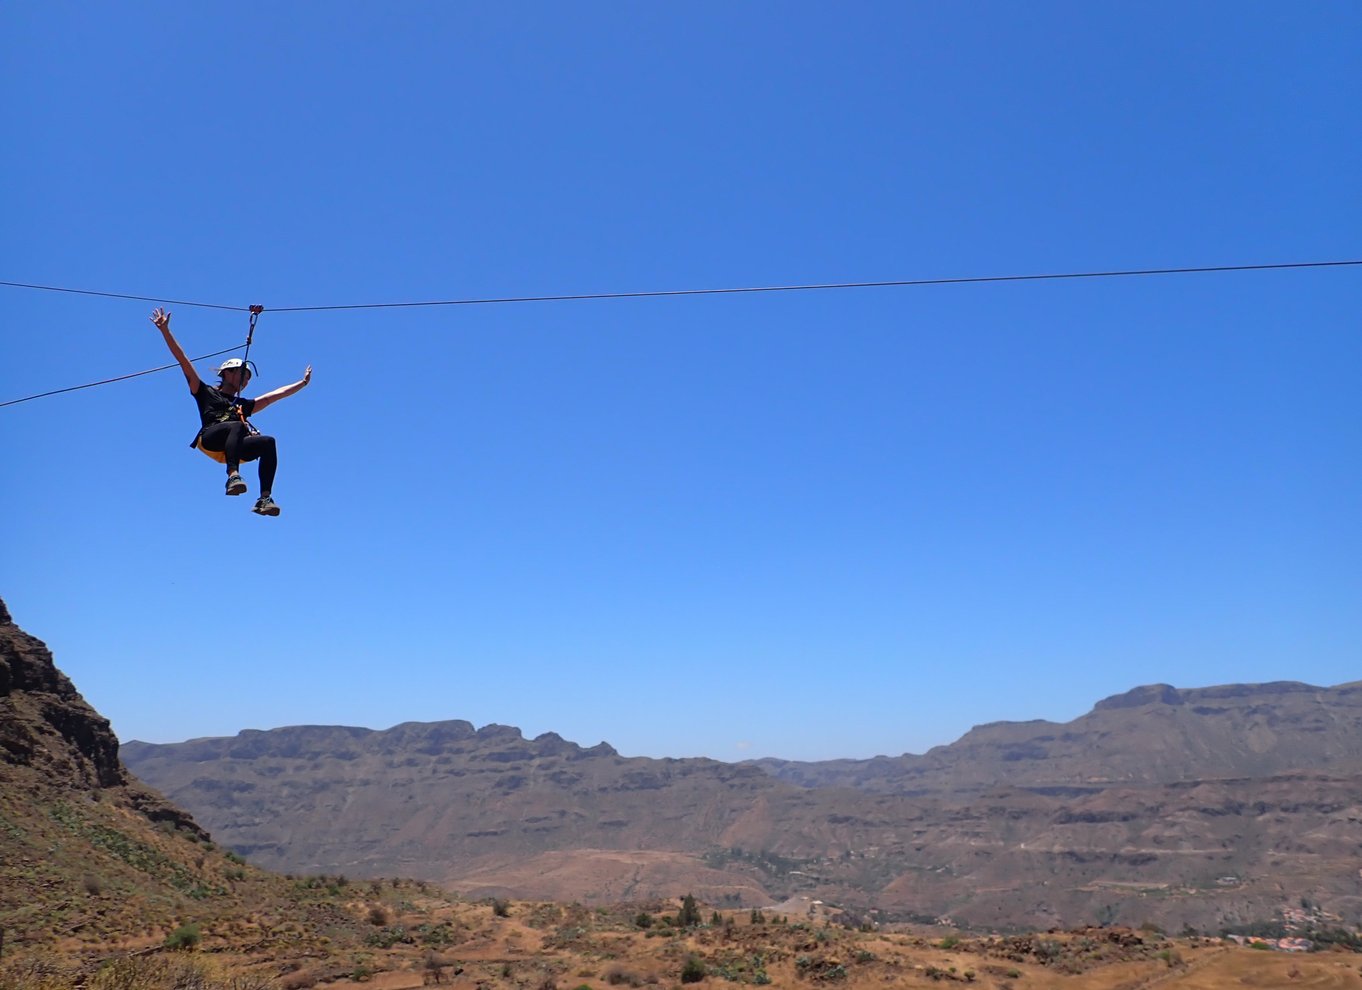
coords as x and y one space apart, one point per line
690 913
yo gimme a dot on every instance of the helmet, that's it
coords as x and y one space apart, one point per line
231 363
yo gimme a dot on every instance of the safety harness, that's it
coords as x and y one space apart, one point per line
235 410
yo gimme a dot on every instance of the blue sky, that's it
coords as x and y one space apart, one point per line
808 525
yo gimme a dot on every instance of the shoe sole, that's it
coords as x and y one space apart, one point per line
238 489
273 510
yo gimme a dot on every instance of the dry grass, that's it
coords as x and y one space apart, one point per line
93 898
605 948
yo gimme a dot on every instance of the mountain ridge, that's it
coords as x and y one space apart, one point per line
973 833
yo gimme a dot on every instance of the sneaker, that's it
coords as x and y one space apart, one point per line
235 486
265 506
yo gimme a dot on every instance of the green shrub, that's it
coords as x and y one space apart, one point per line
184 938
387 937
440 934
693 971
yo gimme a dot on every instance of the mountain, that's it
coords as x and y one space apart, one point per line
100 877
75 827
1155 734
1016 825
95 865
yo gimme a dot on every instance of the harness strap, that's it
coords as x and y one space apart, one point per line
255 311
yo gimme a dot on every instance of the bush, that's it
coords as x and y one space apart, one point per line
436 935
141 973
949 942
501 907
387 937
643 920
378 916
693 971
1047 950
184 938
34 974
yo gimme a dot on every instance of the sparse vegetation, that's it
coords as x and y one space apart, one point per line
690 913
184 938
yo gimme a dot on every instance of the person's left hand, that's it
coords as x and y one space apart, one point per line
307 375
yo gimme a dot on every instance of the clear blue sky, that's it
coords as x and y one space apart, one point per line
807 525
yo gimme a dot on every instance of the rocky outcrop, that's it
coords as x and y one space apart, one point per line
51 734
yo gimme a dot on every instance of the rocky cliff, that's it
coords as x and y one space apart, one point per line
87 851
50 735
1155 734
487 811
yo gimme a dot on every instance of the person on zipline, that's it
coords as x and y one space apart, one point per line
227 435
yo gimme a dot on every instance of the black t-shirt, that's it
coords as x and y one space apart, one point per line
218 407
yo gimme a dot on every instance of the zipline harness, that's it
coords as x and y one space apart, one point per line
246 365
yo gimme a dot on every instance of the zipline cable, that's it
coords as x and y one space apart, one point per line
972 280
120 378
826 285
119 295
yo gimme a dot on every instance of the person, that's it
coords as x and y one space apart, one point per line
227 435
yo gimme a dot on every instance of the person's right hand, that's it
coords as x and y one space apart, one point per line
161 318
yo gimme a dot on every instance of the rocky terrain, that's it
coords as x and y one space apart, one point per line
985 837
105 885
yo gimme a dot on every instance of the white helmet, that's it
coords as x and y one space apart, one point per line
231 363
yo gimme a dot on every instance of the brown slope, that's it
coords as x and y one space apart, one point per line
1150 735
94 864
490 812
76 830
312 798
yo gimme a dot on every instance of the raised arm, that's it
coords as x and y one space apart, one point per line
162 320
282 393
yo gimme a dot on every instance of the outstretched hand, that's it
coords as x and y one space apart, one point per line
307 375
161 318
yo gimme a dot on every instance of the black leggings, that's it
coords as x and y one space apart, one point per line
239 444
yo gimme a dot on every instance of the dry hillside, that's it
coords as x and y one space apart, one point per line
106 886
